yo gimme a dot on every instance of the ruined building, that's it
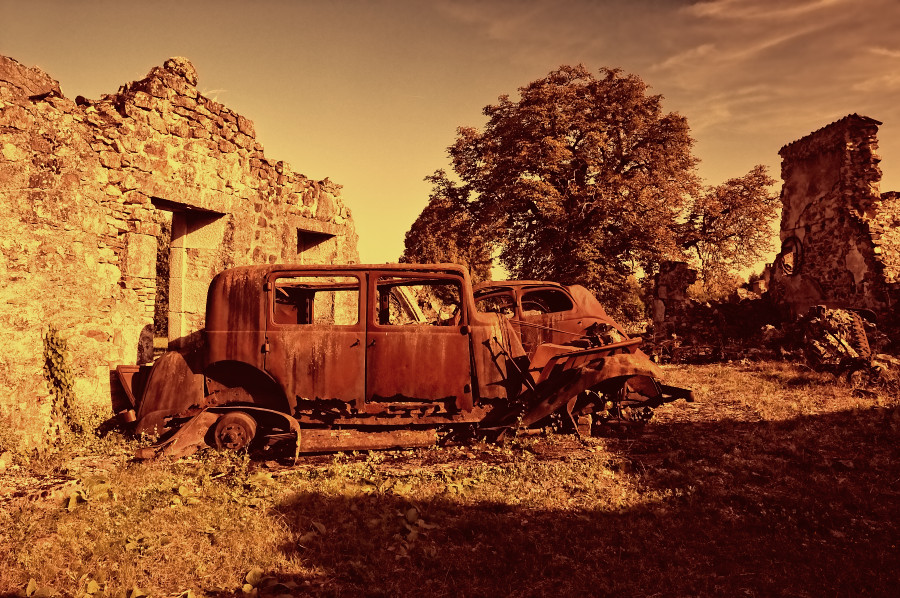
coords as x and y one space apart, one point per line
840 240
116 215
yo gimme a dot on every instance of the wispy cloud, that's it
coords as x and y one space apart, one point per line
878 84
690 56
729 49
757 9
880 51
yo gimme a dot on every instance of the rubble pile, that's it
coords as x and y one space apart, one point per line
690 331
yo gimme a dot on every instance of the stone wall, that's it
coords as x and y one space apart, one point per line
839 247
686 330
91 190
672 309
885 225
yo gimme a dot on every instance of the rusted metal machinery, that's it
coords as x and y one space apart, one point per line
367 357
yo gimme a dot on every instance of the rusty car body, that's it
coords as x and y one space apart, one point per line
547 312
356 357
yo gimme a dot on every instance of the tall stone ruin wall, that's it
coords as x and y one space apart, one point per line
840 243
90 191
830 190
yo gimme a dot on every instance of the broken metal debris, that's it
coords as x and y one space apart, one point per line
836 340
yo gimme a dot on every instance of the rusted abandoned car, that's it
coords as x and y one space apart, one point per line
363 357
547 312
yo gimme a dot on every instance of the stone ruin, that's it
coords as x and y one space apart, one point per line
118 212
840 248
685 329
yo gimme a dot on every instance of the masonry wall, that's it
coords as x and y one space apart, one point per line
90 191
834 221
885 225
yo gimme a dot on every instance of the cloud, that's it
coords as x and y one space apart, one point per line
548 32
732 48
738 10
688 56
881 51
878 84
498 20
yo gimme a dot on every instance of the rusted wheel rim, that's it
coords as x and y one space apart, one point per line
235 431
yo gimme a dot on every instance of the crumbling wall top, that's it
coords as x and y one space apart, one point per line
182 67
30 81
823 140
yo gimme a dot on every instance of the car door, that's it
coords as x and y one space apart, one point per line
417 344
315 334
552 313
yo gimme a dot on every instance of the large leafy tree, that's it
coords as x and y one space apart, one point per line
727 228
583 179
447 231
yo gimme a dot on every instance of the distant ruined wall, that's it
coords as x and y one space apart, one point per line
672 308
687 330
839 246
91 190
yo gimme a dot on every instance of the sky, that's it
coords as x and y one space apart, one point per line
370 93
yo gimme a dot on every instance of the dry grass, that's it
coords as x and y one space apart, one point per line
778 481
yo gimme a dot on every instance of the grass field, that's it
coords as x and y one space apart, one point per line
778 481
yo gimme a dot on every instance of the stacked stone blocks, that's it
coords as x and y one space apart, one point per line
86 186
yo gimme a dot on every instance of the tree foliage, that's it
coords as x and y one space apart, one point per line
728 226
446 230
583 179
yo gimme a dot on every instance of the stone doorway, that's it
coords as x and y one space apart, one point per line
190 252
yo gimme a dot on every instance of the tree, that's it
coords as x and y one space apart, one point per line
727 228
446 231
580 180
584 179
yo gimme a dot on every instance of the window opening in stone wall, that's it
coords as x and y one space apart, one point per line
789 258
161 303
189 253
308 239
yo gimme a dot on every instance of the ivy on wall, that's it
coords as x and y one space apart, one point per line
58 373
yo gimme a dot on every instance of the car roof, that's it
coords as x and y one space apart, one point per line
511 284
262 269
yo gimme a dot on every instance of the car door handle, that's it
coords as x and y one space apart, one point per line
355 343
372 344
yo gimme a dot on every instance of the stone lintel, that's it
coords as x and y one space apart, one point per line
315 226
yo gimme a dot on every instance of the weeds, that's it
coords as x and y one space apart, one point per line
778 481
